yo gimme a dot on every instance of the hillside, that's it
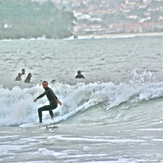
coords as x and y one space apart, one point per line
26 19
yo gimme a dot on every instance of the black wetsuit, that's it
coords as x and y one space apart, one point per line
53 103
27 80
18 78
79 76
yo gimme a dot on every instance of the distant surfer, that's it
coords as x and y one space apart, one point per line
23 71
28 79
52 99
18 78
79 75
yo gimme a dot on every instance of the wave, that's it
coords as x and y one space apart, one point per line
17 104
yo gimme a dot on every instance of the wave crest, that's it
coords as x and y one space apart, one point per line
17 105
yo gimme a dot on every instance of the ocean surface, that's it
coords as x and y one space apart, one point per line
114 115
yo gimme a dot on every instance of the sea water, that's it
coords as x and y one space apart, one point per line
113 115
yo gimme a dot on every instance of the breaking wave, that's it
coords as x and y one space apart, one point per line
17 104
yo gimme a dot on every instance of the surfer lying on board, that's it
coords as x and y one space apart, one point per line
52 99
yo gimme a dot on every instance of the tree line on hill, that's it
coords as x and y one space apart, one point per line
27 19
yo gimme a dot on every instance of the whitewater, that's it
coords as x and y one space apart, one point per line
114 115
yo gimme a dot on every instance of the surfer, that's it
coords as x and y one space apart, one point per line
18 78
23 71
79 75
52 99
28 79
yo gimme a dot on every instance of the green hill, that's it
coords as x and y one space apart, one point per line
26 19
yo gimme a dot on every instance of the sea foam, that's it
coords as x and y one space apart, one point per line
17 104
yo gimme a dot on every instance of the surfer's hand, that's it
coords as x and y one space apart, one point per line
59 102
35 100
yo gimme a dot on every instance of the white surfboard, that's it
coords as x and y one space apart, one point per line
37 124
28 125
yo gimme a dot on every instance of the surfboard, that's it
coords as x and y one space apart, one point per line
34 124
29 125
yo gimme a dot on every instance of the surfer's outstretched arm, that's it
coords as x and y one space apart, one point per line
39 97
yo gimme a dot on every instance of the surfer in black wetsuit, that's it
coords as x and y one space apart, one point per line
79 75
18 78
52 99
28 79
23 71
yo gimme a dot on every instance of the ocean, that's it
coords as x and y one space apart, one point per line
114 115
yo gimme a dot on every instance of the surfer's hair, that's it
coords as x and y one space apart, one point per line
45 82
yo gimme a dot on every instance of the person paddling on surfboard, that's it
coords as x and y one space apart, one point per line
52 99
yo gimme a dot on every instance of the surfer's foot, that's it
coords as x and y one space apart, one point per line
52 118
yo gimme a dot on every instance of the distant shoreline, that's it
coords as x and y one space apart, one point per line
122 35
93 36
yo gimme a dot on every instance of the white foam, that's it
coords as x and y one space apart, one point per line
17 106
